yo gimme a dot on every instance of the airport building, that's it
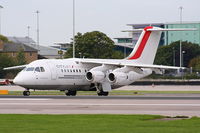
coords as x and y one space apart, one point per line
44 52
169 36
11 49
124 44
190 36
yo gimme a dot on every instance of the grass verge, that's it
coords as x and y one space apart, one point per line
95 124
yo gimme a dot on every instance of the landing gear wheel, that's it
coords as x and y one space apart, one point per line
102 93
26 93
70 93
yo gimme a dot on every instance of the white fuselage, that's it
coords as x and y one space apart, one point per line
66 74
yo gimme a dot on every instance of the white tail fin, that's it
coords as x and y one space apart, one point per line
146 47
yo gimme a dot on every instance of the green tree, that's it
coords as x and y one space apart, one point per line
20 57
3 38
5 61
94 45
164 55
195 63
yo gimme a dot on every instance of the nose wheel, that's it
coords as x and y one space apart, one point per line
26 93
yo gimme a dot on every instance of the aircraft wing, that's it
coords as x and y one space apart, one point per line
130 64
15 67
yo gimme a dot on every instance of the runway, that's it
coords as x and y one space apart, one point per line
163 104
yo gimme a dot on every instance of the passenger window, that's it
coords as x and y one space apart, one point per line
30 69
37 69
74 71
42 69
61 70
24 69
79 70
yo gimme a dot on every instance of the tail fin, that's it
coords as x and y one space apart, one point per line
147 45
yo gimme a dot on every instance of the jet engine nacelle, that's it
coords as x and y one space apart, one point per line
95 76
118 78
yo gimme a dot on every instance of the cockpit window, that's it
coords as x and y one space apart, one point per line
42 69
30 69
37 69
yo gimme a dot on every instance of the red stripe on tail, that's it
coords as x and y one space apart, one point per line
142 45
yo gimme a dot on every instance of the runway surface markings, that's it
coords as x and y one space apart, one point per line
96 104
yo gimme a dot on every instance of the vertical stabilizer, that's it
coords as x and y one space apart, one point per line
146 46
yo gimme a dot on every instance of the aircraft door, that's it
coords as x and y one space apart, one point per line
53 71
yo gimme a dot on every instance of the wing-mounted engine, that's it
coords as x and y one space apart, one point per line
119 75
125 75
98 74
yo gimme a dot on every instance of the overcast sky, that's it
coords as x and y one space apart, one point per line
108 16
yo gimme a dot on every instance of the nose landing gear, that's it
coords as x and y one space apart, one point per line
26 93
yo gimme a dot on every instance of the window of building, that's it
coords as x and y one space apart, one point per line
31 53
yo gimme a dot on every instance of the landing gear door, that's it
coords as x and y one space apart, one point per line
106 87
53 71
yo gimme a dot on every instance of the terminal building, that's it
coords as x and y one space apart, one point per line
167 37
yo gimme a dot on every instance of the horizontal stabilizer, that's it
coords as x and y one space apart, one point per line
179 29
160 29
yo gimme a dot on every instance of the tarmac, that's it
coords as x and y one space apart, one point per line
167 105
154 104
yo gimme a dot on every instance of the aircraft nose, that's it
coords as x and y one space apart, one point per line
17 80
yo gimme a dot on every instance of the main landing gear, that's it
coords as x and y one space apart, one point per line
26 93
70 93
102 93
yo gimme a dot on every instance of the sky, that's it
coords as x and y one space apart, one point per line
107 16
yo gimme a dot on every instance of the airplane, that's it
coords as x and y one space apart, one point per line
101 75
